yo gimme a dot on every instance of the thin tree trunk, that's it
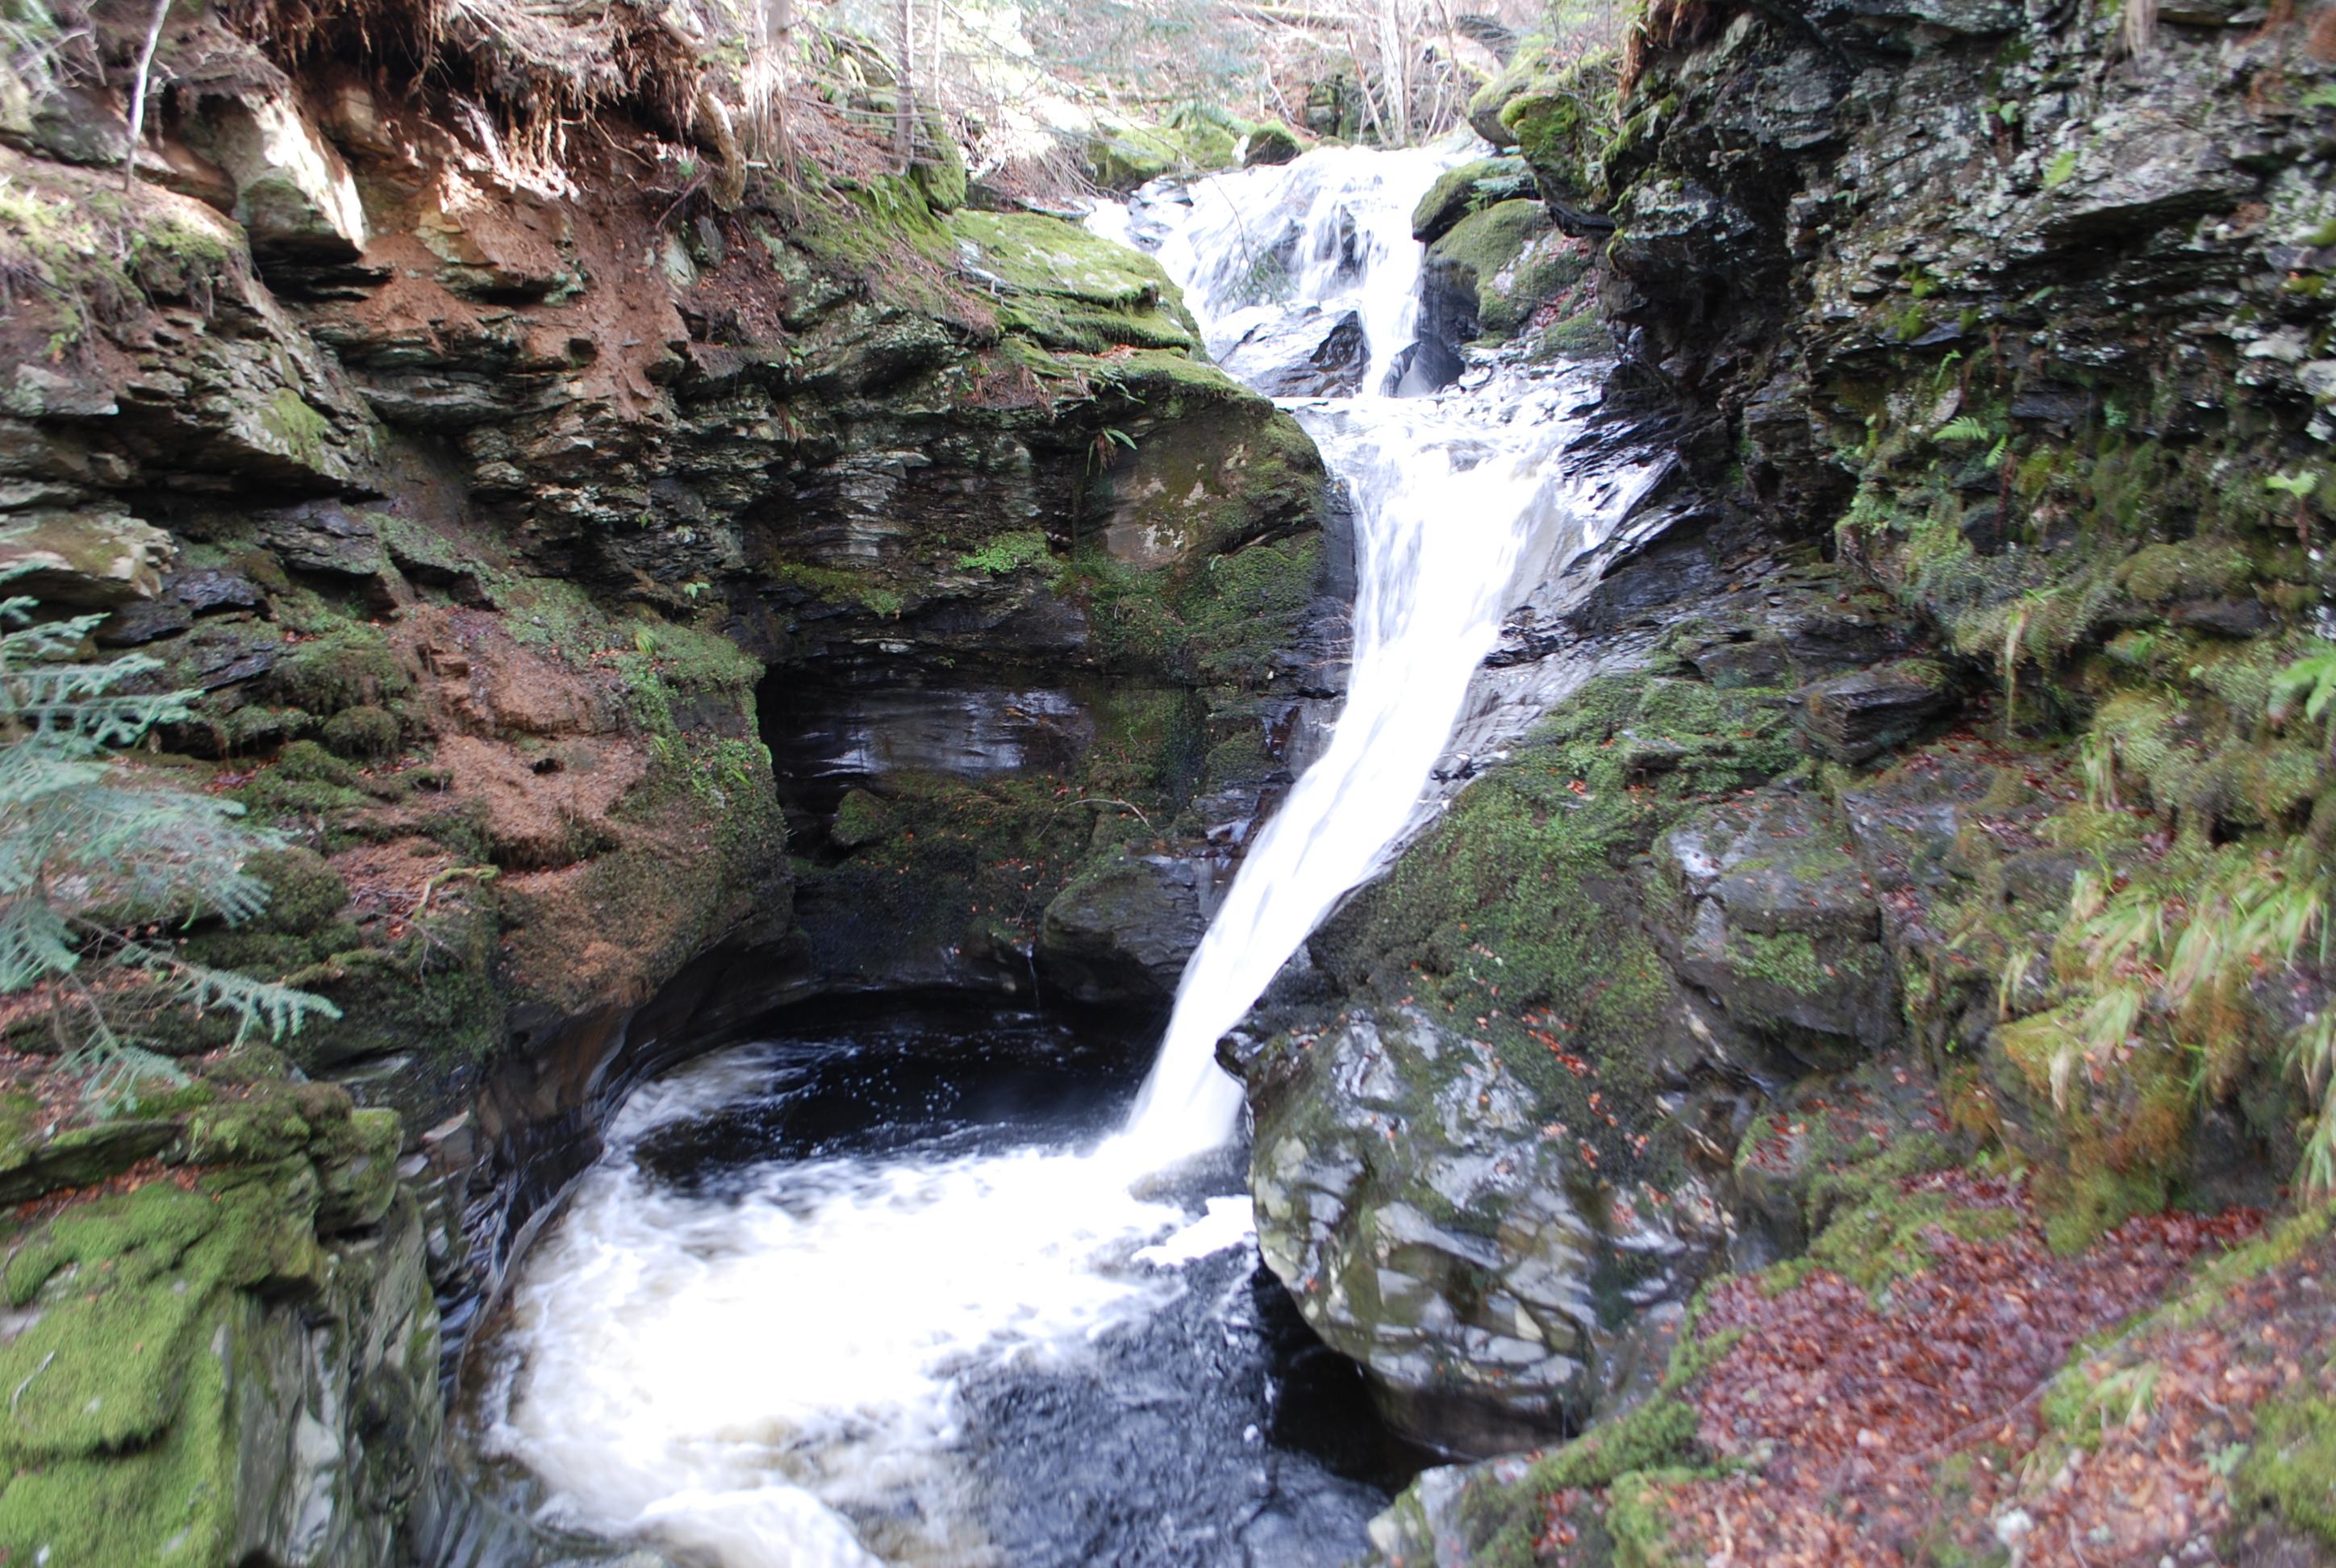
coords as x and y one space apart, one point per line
937 70
138 92
905 111
1395 69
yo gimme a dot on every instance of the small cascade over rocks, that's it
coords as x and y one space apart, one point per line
1459 496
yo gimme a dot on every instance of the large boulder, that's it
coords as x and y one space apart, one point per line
293 193
1470 187
1851 719
1773 921
1431 1224
1122 930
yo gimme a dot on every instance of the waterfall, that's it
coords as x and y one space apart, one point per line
1452 493
769 1342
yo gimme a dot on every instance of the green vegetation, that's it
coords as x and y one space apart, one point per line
93 255
96 861
1518 917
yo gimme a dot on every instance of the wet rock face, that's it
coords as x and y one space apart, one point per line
1410 1200
1317 355
1776 923
1122 930
1494 1114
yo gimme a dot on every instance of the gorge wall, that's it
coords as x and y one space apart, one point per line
1932 907
506 463
650 590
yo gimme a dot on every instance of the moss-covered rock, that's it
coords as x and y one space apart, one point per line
1065 288
1122 931
236 1365
1446 1171
1500 264
1470 187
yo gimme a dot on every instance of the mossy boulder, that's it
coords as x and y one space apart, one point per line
1852 718
85 560
1122 931
1065 288
237 1364
1272 142
1124 154
1470 187
1494 267
1773 919
1446 1154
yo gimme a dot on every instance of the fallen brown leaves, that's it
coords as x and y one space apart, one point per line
1850 1409
2177 1408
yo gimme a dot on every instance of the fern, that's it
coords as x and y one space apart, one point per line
2312 679
1964 427
90 852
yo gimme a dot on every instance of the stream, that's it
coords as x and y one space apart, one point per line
957 1287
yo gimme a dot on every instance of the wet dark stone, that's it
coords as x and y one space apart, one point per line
1123 931
1854 718
1313 355
2223 617
144 620
324 536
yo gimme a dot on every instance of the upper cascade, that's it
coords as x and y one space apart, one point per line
1306 277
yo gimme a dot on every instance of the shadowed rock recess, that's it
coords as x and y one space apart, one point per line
1799 1101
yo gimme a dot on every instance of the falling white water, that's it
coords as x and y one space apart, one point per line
1449 493
769 1375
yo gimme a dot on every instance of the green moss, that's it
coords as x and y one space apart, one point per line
1517 917
1228 624
1064 287
1006 552
1501 1522
860 818
349 666
1581 336
130 1410
2159 574
304 892
1563 123
366 732
1788 960
94 255
2290 1467
1508 256
298 429
863 591
305 784
1467 189
1197 139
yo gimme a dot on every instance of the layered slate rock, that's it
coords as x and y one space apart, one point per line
230 1352
1775 921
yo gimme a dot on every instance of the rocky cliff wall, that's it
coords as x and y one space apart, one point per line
513 471
1947 822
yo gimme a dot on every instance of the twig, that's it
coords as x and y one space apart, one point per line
1111 801
432 884
138 94
28 1380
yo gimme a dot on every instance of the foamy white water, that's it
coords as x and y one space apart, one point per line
1451 493
757 1374
769 1376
